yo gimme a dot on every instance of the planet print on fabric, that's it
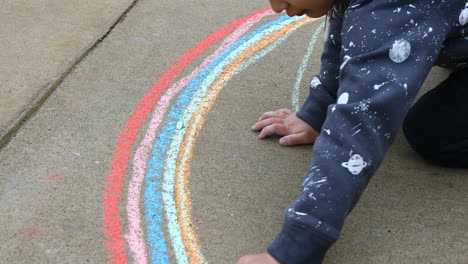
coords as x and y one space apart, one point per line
400 51
355 164
343 99
463 18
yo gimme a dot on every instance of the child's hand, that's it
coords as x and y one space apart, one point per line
284 122
263 258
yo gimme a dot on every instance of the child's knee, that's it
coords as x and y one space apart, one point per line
433 147
421 142
436 126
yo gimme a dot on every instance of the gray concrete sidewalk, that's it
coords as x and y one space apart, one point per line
40 41
53 171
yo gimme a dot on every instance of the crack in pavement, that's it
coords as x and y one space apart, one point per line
36 104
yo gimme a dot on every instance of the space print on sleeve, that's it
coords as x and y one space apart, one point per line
375 60
355 164
463 18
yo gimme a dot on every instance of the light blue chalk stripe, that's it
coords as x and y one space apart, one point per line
266 50
168 183
302 68
153 190
172 154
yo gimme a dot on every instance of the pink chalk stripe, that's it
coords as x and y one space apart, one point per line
113 190
135 236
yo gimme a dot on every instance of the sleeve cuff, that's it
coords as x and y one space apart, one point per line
294 245
314 110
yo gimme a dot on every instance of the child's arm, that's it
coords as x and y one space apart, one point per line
303 127
323 88
388 48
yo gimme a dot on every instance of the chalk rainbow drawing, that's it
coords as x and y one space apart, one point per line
161 163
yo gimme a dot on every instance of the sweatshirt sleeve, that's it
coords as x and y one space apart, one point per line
387 50
323 87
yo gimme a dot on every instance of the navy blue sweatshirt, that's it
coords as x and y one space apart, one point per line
376 57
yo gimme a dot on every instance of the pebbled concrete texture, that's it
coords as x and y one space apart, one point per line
53 172
40 40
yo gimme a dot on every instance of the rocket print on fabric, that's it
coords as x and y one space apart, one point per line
355 164
315 82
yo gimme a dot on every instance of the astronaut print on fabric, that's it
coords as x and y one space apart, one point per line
355 164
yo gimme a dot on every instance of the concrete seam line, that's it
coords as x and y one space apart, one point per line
49 88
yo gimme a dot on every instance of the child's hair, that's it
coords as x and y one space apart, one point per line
339 7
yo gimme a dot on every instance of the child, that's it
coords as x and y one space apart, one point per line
376 57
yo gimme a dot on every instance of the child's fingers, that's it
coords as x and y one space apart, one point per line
286 111
282 113
264 123
269 115
274 129
295 139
